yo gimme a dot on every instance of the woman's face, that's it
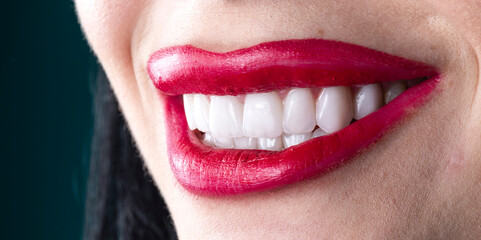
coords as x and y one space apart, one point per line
421 179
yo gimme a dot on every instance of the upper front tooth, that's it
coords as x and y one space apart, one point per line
334 108
367 99
294 139
393 90
263 115
201 112
299 114
226 116
189 110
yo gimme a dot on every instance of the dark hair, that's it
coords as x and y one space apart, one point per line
122 200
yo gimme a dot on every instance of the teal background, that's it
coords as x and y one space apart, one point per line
46 120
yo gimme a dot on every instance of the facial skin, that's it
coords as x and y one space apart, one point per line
421 181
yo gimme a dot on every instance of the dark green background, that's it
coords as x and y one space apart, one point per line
46 120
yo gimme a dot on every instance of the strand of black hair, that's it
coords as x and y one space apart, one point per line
122 201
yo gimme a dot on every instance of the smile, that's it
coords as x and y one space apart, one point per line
279 112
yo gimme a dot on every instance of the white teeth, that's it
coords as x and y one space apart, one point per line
245 143
367 99
208 139
223 142
294 139
226 116
263 115
267 122
271 144
201 112
299 114
189 110
334 108
393 89
319 133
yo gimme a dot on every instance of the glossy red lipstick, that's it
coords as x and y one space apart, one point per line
266 67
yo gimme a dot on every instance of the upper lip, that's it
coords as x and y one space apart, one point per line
276 65
270 66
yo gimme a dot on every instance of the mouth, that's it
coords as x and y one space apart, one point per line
279 112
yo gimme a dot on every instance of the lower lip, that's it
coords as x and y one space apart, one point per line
205 170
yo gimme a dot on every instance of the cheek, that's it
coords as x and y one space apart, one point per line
108 25
465 15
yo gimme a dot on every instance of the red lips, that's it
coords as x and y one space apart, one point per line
266 67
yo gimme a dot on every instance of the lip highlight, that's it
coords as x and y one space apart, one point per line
267 67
